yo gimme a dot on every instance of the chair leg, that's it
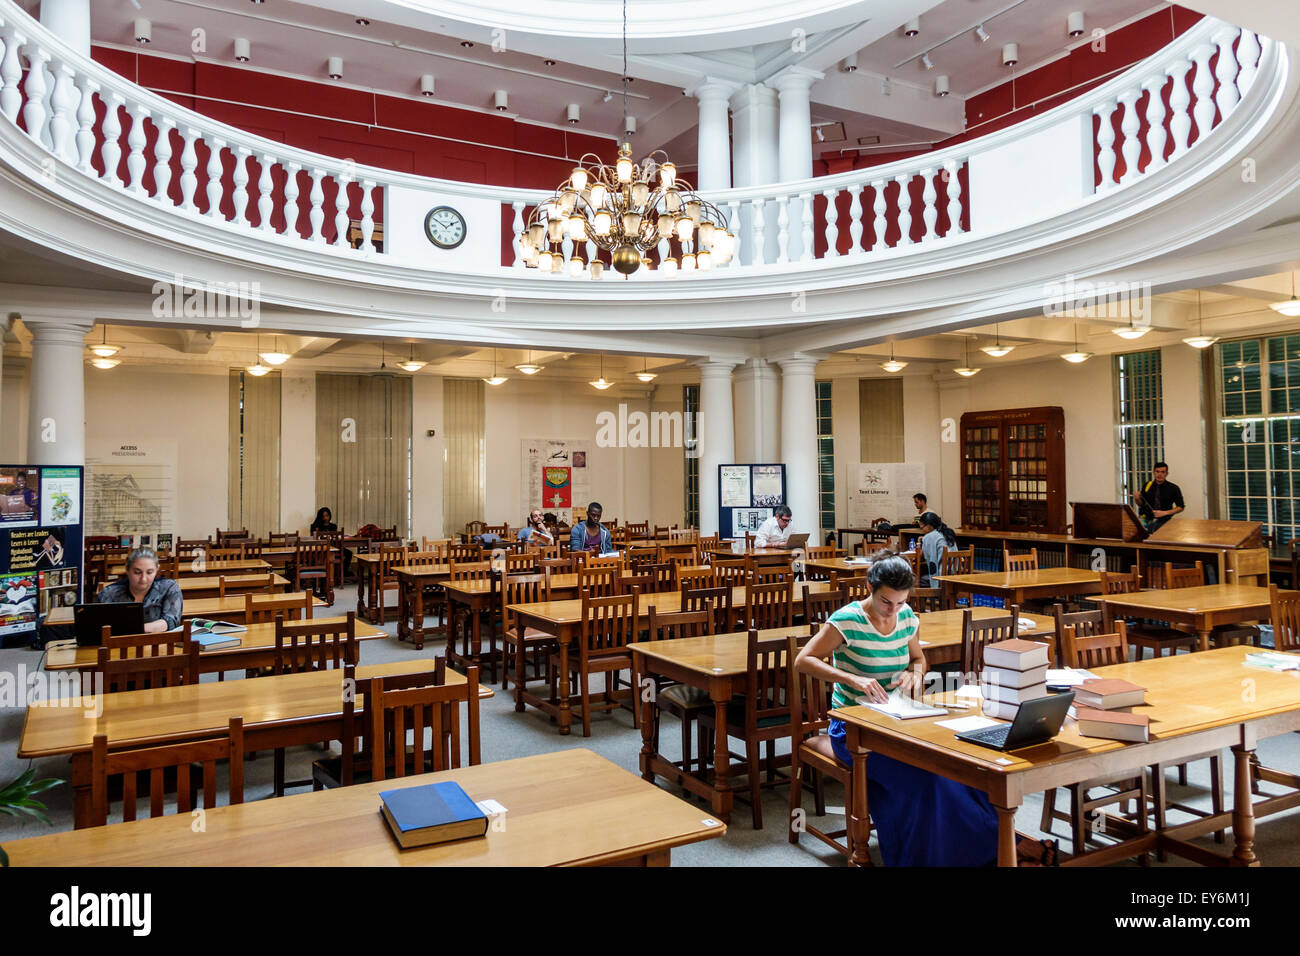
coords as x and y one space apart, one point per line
819 794
1078 821
755 783
584 690
796 795
1216 791
1158 798
686 742
1182 775
1049 811
278 773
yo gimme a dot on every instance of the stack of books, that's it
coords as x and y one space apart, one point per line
1014 671
1104 708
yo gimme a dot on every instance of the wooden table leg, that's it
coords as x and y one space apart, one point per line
81 786
647 731
361 593
566 705
521 664
1006 835
721 800
1243 813
1204 636
403 609
417 614
859 816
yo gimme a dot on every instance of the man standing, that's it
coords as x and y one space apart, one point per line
1160 498
773 532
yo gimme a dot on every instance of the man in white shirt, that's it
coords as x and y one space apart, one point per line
773 532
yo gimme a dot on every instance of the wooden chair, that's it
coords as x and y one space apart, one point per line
500 530
463 553
811 755
292 607
146 661
598 581
549 566
639 556
958 562
253 548
474 528
314 564
769 605
160 762
609 625
679 700
517 648
634 583
1176 577
766 714
978 634
1285 615
818 606
1112 582
926 599
694 577
464 572
189 546
718 601
732 573
1085 623
1156 635
437 545
1015 563
283 539
228 553
263 584
663 575
613 561
224 537
525 563
855 589
390 557
638 529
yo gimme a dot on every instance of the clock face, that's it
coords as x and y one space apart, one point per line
445 227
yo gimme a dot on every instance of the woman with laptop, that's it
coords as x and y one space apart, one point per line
873 648
161 597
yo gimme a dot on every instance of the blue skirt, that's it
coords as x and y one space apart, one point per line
921 818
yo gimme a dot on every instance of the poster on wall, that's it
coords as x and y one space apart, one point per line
19 496
747 496
734 486
769 486
883 490
555 476
748 520
557 488
60 496
18 595
40 545
130 486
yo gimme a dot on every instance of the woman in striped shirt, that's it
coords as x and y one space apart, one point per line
921 819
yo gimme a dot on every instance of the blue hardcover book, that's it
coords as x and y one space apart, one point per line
434 813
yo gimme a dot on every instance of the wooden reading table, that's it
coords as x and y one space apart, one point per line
1201 608
229 608
1020 586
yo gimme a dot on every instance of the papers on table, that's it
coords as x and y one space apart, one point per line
962 725
969 692
902 707
1025 624
1068 676
1273 661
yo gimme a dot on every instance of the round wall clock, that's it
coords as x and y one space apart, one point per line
445 227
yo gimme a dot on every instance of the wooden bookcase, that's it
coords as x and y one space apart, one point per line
1013 470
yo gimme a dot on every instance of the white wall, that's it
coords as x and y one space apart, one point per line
297 450
13 409
427 457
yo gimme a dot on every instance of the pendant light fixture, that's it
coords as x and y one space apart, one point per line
1288 307
1131 331
1077 356
412 364
1200 340
893 365
966 371
257 368
104 350
528 368
997 349
497 378
105 363
277 357
600 383
645 375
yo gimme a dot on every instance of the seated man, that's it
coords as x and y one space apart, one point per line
774 532
591 535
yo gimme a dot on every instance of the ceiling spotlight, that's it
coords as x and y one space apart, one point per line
607 97
335 68
926 61
1010 54
426 85
886 88
941 85
243 50
981 34
466 44
143 30
1074 24
850 63
573 114
912 27
501 100
362 22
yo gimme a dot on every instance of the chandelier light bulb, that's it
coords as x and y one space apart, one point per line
597 269
578 179
598 194
669 265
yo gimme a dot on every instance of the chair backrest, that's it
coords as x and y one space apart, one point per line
613 561
770 574
224 536
556 565
924 600
664 576
145 661
1085 624
598 581
855 588
437 545
1020 562
460 553
471 571
978 634
958 562
290 607
128 762
619 537
769 605
668 625
500 530
819 552
315 645
248 584
608 624
640 583
1096 650
475 528
253 548
694 576
813 697
1112 582
390 556
423 559
1285 618
818 606
730 573
315 556
227 553
717 600
638 529
639 556
522 589
521 563
1193 577
770 691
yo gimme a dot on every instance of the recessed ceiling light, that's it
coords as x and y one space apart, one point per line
466 44
362 22
549 62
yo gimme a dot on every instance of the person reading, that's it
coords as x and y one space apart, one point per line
775 531
161 597
867 649
535 531
324 522
591 535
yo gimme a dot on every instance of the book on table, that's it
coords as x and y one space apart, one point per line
1112 724
1109 693
903 707
433 813
1016 654
1006 677
1001 709
1012 695
212 635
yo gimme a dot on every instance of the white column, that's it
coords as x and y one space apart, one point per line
716 435
714 150
799 441
795 139
69 20
758 412
56 423
754 137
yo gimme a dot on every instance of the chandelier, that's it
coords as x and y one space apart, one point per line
625 210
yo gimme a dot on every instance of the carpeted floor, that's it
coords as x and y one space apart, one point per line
507 734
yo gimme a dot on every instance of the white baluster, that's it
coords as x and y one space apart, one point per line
368 216
1156 136
342 210
1203 86
952 171
317 214
135 141
878 208
215 186
1180 121
240 177
760 240
832 223
35 113
1247 59
1226 71
11 74
516 227
783 229
112 129
291 201
162 154
855 220
1105 144
86 126
63 104
1130 124
904 209
189 163
929 204
806 227
733 218
265 193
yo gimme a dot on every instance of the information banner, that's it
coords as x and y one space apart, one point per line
41 537
883 490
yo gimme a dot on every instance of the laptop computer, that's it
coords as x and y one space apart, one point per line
796 541
90 619
1037 721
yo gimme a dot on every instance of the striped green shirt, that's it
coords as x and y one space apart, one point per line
867 652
